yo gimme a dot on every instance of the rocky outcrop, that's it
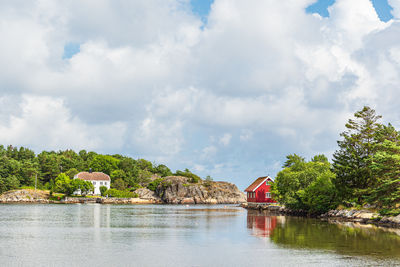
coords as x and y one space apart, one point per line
148 195
178 190
25 196
363 216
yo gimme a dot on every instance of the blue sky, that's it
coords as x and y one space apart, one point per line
202 8
226 91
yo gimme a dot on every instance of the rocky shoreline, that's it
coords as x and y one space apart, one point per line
364 216
172 190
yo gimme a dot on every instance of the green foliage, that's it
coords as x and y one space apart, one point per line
162 170
208 181
305 185
103 190
118 174
144 177
351 161
154 184
104 163
385 166
71 173
145 165
120 193
63 184
84 187
320 196
389 212
20 167
119 184
193 178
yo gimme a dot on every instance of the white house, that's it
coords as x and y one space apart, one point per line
96 178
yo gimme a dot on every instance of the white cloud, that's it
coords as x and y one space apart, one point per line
46 123
395 4
149 82
225 139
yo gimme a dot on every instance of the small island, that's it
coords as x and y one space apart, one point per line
57 177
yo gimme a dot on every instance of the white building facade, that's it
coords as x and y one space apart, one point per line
98 179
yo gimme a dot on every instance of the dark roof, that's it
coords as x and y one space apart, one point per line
256 183
93 176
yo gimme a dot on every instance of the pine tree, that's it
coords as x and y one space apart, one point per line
351 161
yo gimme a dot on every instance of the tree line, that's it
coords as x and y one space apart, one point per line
21 167
365 170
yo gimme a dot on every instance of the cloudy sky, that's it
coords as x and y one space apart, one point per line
226 88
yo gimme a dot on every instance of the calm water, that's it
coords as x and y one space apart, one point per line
164 235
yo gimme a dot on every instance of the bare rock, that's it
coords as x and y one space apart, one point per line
178 189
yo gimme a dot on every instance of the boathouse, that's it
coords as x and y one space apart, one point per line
259 191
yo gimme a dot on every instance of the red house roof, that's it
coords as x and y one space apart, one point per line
257 183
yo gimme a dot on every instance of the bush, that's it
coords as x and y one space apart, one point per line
389 212
193 178
119 184
103 190
119 193
154 184
208 181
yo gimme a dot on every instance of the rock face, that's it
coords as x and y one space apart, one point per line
178 190
25 196
148 195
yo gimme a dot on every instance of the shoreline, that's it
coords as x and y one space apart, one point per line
103 200
352 215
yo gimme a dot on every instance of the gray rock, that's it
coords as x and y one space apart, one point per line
177 189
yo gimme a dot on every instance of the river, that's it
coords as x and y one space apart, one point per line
169 235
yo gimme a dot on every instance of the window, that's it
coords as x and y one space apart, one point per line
101 183
94 183
268 195
105 183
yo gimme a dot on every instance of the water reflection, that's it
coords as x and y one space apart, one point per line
342 238
260 224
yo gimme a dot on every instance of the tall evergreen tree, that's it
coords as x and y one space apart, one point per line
351 161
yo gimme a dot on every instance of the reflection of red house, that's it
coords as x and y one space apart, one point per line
259 192
261 225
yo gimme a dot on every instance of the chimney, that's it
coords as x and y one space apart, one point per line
90 170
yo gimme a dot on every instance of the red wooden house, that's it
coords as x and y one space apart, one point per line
258 191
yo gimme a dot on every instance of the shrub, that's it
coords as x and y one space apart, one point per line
193 178
103 190
154 184
119 193
208 181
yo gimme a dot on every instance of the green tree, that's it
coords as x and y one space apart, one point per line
71 173
63 184
154 184
118 174
78 185
385 167
103 190
104 163
351 161
162 170
300 185
144 165
119 184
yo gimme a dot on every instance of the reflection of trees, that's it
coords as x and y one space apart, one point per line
315 234
260 224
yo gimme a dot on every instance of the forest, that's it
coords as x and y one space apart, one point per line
54 171
364 173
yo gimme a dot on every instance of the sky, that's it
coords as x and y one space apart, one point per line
226 88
